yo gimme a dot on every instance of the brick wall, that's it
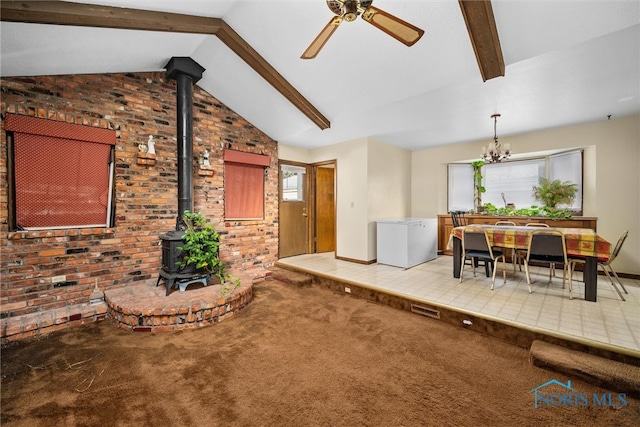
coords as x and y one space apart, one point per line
135 106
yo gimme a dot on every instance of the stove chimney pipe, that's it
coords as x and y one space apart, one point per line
186 72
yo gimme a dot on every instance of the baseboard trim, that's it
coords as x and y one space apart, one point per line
357 261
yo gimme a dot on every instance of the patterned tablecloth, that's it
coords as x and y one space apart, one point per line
581 242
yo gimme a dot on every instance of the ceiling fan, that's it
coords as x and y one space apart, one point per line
348 10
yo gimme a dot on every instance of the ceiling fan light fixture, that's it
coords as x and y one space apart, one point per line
350 11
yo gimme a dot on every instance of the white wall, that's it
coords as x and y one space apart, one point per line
294 154
611 176
351 191
372 182
389 186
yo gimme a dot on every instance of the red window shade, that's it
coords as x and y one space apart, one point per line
244 191
234 156
37 126
61 173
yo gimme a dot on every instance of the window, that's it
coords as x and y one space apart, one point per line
568 167
244 185
460 187
62 174
513 181
292 183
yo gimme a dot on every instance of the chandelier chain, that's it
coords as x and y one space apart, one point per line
495 152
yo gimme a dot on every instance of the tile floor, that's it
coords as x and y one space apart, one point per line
607 323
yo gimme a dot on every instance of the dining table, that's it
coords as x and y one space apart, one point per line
582 243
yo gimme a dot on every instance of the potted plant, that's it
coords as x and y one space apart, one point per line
201 246
554 193
477 182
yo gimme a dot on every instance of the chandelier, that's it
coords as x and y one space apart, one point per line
495 152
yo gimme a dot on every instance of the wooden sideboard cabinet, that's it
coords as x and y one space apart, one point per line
445 225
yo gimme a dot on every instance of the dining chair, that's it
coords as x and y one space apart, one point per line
520 254
548 247
503 223
476 245
458 219
605 264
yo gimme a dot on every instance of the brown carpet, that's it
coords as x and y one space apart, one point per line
298 356
620 377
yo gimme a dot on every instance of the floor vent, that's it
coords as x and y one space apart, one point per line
424 311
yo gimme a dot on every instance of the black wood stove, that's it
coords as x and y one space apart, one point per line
186 72
171 260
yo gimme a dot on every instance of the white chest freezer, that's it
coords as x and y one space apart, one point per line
406 242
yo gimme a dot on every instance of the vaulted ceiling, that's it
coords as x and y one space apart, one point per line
565 62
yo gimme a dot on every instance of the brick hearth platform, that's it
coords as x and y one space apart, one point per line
146 308
142 307
40 323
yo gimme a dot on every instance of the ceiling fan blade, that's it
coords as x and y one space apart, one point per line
392 25
322 38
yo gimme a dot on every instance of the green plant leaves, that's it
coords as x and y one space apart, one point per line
479 188
543 211
201 245
556 192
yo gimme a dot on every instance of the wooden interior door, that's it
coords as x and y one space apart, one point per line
325 209
294 208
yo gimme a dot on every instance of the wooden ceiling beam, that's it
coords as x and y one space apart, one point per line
481 25
87 15
241 48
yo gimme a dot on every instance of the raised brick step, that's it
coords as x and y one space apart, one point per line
290 277
45 322
146 307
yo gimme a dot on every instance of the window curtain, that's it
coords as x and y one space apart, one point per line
460 194
244 184
244 191
61 172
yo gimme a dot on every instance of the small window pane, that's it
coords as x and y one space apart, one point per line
514 180
292 183
568 167
460 193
